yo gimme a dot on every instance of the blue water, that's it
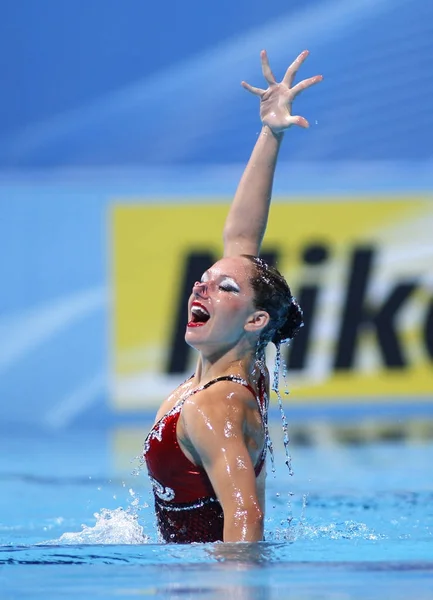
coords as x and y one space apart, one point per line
355 520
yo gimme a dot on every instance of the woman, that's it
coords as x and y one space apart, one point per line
206 451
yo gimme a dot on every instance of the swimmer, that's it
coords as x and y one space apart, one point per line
206 452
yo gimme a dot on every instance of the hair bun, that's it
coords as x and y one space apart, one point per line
293 323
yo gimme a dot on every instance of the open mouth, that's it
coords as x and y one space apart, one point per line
199 315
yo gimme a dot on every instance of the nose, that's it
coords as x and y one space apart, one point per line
199 288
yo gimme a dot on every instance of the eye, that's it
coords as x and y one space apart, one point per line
229 286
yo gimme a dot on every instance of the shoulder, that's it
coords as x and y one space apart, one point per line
214 420
217 403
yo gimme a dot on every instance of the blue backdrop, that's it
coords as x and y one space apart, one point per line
107 100
131 82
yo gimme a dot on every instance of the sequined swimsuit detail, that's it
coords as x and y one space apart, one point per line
186 506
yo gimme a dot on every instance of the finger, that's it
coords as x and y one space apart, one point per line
266 69
300 121
306 83
254 90
293 69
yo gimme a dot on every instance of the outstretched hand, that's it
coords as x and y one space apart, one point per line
276 101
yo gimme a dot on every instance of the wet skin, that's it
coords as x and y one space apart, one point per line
220 428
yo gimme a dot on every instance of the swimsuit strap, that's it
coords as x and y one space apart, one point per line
179 405
234 378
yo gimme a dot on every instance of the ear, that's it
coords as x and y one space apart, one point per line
257 321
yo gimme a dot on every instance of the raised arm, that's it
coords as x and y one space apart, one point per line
248 215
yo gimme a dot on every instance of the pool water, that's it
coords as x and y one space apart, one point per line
354 521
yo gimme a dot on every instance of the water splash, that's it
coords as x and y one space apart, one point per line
299 530
118 526
284 526
349 530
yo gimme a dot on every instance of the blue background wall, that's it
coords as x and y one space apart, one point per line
106 101
120 83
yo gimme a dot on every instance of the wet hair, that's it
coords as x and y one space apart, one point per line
272 294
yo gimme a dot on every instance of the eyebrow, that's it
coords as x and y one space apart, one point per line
228 276
221 276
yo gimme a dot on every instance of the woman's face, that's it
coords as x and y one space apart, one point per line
220 304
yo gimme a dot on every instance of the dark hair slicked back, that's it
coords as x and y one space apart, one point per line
272 294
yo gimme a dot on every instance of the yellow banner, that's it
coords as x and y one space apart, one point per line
362 270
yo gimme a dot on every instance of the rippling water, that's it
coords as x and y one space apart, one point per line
72 513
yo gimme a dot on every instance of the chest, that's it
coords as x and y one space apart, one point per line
174 399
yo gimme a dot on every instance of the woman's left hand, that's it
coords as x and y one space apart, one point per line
276 101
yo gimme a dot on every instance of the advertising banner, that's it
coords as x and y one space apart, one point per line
362 270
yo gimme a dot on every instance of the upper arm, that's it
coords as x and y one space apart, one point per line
239 246
215 428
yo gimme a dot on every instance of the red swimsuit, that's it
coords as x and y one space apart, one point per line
186 506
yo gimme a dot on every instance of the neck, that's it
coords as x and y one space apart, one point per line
233 362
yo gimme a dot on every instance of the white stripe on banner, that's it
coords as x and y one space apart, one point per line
77 402
22 333
225 63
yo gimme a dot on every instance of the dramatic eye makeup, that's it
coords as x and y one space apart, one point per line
225 282
229 285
